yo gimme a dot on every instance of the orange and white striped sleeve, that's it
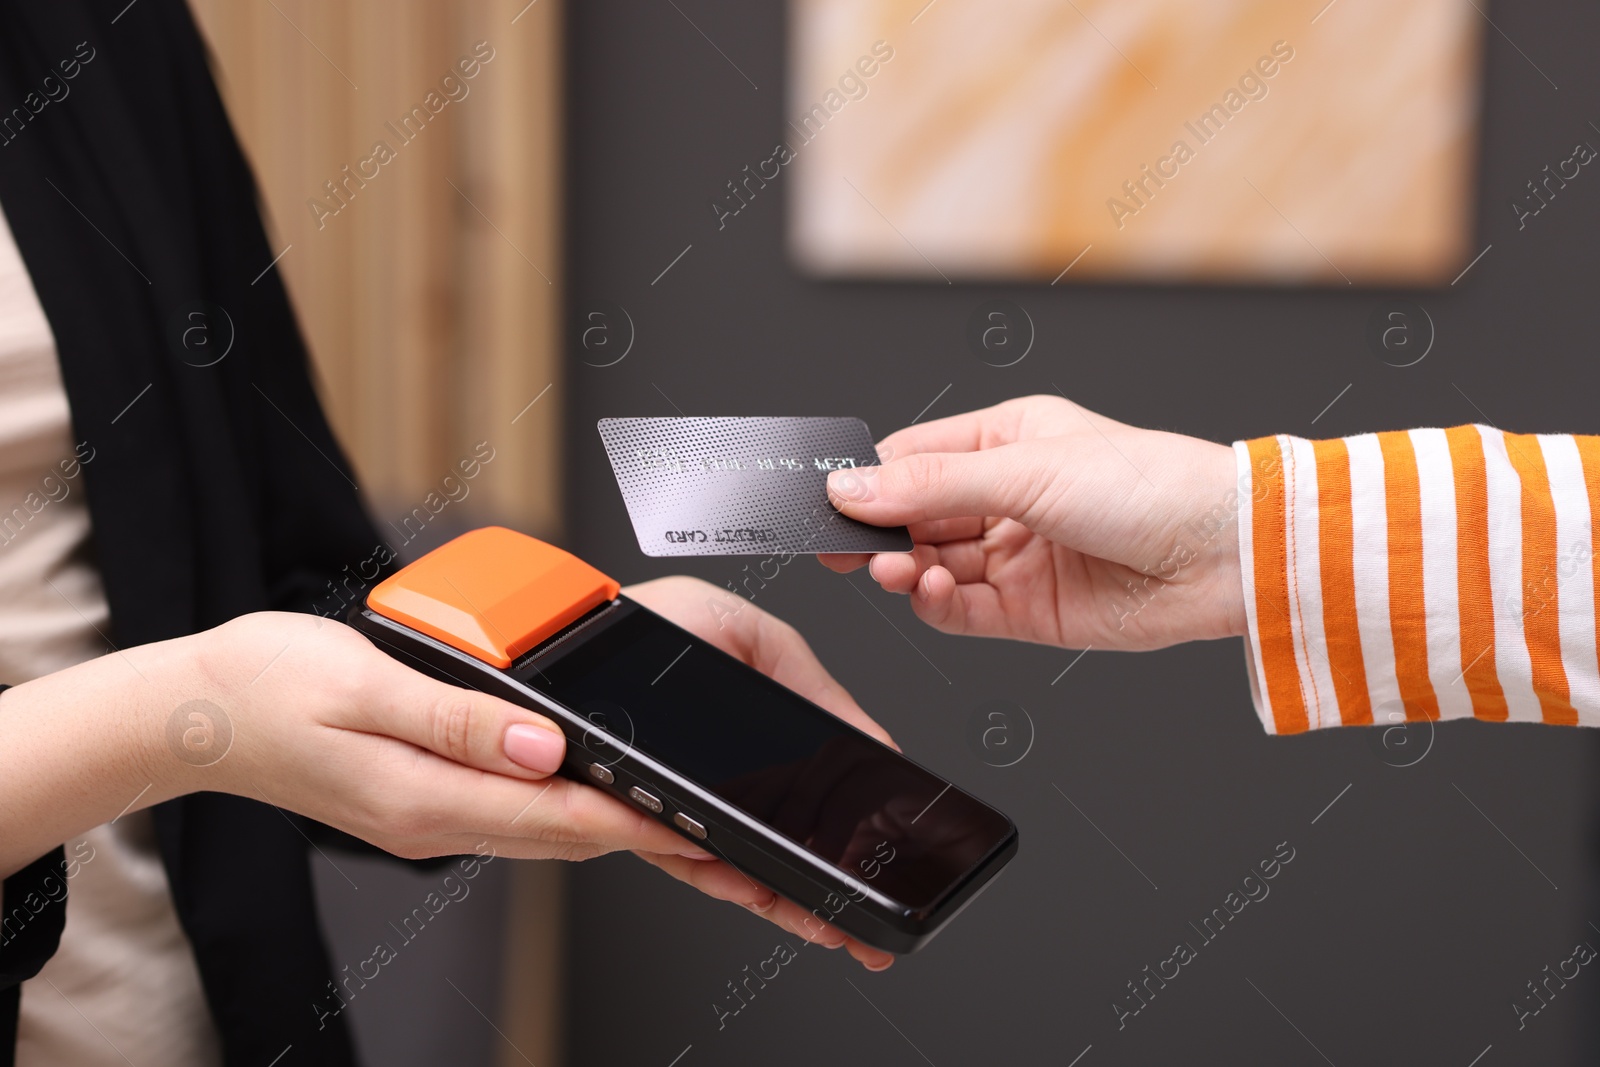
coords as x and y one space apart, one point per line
1421 574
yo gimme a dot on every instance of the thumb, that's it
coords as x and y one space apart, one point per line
470 728
1005 482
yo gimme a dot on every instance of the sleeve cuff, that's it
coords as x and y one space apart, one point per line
1420 575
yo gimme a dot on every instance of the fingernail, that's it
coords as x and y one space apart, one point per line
535 748
699 856
762 909
884 966
832 939
924 585
854 486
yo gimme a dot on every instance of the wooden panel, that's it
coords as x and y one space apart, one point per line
426 284
534 1001
429 290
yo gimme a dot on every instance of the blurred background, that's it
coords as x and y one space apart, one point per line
817 208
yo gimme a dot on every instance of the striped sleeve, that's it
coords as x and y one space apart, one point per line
1421 574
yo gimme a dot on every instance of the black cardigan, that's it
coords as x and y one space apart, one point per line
214 490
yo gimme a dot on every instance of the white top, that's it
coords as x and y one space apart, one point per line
123 987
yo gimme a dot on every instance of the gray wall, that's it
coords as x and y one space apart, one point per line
1407 922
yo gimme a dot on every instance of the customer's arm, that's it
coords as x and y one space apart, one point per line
1422 574
1416 574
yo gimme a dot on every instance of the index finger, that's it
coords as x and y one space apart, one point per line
953 433
1005 423
557 811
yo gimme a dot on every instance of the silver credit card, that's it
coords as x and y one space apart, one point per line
742 486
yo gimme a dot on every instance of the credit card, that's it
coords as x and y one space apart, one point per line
742 486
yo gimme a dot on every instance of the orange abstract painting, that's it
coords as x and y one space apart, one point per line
1254 141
